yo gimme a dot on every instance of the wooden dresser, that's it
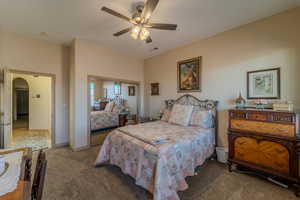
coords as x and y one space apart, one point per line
122 119
265 141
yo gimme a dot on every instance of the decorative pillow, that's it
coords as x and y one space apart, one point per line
181 114
118 108
109 107
166 115
202 118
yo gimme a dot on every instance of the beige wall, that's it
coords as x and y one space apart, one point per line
131 101
93 59
39 108
272 42
28 54
98 89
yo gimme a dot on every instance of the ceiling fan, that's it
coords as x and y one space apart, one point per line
140 20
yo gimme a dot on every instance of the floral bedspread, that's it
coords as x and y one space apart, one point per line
104 119
160 168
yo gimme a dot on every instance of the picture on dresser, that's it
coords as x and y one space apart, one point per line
263 84
188 75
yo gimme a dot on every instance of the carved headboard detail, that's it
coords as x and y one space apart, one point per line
198 104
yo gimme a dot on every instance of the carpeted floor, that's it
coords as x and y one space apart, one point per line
71 176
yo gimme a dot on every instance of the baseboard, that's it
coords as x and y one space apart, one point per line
81 148
60 145
30 129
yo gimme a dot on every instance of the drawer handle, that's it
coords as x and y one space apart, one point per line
282 130
239 125
241 142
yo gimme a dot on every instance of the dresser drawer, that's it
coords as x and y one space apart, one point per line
267 116
257 116
287 130
263 153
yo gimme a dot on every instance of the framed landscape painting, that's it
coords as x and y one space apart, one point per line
263 84
188 75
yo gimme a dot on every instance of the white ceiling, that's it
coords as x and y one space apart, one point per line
64 20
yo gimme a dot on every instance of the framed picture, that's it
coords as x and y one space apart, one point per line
263 84
154 89
131 91
188 75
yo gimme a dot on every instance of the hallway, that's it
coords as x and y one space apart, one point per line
21 122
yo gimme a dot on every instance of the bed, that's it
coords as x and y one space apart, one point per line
160 155
101 120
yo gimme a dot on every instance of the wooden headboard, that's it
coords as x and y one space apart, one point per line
198 104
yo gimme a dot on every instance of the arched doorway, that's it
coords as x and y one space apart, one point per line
31 111
20 103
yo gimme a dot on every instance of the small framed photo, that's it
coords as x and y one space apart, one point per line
154 89
263 84
188 75
131 91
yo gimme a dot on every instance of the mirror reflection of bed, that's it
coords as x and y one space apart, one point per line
113 103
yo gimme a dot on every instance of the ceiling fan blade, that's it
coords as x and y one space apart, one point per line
114 13
149 7
148 40
171 27
122 32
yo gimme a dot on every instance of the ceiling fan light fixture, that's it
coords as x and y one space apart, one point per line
135 32
144 34
140 21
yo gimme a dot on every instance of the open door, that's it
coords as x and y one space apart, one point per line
6 109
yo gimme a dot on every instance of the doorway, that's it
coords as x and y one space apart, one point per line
20 103
31 112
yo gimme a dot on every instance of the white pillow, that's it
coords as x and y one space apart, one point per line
181 114
166 115
202 118
109 107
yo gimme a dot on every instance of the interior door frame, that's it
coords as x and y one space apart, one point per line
90 77
53 94
6 96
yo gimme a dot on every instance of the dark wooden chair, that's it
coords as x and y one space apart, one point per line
39 177
28 163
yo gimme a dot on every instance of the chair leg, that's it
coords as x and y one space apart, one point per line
297 190
229 163
28 170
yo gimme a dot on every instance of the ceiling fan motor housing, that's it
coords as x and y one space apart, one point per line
140 8
137 16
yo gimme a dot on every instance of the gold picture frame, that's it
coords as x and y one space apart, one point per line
188 75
